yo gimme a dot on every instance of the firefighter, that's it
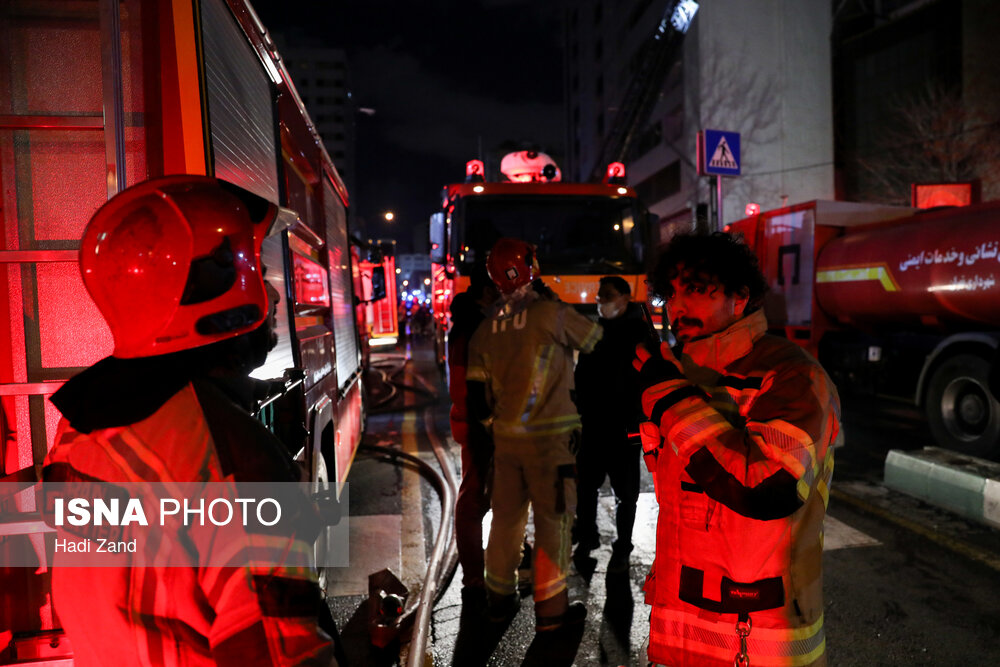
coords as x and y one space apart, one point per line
740 439
520 377
174 266
608 400
467 312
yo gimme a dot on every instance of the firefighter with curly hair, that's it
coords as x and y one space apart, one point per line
740 441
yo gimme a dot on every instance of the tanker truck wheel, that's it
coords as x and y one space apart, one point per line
962 413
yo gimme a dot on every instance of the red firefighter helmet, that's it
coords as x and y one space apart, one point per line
173 263
512 264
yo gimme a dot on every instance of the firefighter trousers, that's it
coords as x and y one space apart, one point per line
540 472
470 507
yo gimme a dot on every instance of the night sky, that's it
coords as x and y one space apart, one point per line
444 78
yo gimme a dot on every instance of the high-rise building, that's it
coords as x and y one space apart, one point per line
322 78
758 68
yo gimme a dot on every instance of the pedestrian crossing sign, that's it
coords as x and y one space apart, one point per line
719 153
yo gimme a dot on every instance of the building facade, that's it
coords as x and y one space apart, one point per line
322 78
758 68
917 96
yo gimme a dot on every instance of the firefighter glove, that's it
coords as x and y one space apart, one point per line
656 365
662 381
649 435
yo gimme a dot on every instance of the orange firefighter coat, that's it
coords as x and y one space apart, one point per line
180 614
742 473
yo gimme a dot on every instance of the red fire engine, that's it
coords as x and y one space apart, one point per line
378 271
582 230
101 95
893 301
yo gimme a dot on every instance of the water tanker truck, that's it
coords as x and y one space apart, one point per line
893 301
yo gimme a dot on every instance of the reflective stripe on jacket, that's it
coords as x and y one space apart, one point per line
184 613
530 390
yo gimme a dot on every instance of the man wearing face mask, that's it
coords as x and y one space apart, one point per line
607 397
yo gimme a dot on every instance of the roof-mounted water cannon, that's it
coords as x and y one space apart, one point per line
475 172
615 174
530 167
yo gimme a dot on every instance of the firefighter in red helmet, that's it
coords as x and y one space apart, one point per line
174 266
520 377
512 264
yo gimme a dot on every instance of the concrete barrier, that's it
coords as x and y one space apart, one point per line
963 484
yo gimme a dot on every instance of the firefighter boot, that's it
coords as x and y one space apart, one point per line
555 614
501 609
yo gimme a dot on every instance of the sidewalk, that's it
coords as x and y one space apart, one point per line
962 484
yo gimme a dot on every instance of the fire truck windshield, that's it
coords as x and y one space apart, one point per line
574 234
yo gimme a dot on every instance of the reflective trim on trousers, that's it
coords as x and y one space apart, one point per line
675 634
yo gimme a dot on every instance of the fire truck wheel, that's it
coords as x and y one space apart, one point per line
962 413
321 547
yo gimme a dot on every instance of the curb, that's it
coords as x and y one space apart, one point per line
963 484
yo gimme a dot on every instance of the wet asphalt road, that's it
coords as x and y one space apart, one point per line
905 584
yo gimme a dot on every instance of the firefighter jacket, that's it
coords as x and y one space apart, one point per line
180 430
742 479
530 391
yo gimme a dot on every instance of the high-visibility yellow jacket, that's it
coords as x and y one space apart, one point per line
742 479
526 363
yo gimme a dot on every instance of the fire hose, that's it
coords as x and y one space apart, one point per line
443 557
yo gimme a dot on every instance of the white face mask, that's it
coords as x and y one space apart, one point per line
610 310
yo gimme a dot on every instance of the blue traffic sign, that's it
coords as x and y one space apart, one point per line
722 153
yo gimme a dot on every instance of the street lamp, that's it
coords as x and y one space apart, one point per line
389 216
427 281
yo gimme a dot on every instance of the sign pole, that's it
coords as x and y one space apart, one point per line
718 197
712 202
718 156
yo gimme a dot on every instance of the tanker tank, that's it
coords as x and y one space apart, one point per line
936 269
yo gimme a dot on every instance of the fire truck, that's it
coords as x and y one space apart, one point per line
378 271
99 95
582 230
893 301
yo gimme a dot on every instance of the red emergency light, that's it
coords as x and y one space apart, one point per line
475 171
615 174
930 195
752 209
